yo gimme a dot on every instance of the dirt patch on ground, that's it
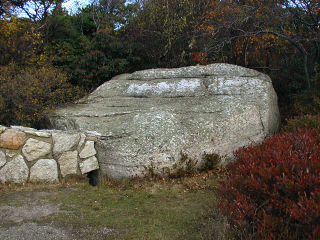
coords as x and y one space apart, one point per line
33 231
27 212
155 208
21 212
23 216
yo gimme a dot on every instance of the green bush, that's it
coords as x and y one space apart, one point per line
26 93
302 122
211 161
95 62
307 102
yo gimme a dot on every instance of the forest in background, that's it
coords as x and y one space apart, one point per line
50 56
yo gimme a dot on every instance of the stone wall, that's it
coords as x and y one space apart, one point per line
30 155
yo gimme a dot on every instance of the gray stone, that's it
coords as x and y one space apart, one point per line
32 131
22 128
89 165
193 71
11 153
81 142
35 149
147 118
44 170
39 133
15 171
63 142
68 162
93 136
2 159
178 88
88 150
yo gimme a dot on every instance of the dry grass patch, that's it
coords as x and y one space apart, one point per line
181 208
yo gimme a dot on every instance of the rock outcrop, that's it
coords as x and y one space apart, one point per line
150 120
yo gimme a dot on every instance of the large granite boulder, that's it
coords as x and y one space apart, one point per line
151 120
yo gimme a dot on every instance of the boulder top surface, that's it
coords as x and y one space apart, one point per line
217 69
177 82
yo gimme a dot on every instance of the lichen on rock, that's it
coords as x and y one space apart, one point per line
15 171
34 149
2 159
68 163
44 170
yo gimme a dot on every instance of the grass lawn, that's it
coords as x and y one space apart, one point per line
137 209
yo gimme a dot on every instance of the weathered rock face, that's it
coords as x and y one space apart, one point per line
44 170
88 150
68 163
64 142
89 165
149 118
34 149
15 171
2 159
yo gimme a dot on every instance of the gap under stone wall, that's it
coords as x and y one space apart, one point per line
31 155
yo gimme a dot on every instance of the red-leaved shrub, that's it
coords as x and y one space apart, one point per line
273 190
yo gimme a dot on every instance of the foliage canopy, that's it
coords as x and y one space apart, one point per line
109 37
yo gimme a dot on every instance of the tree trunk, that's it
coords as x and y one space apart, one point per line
306 70
300 48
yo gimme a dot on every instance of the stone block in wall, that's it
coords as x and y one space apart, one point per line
22 128
81 141
2 159
88 150
12 153
44 170
12 139
89 165
68 162
39 133
45 133
35 149
15 171
63 142
32 131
